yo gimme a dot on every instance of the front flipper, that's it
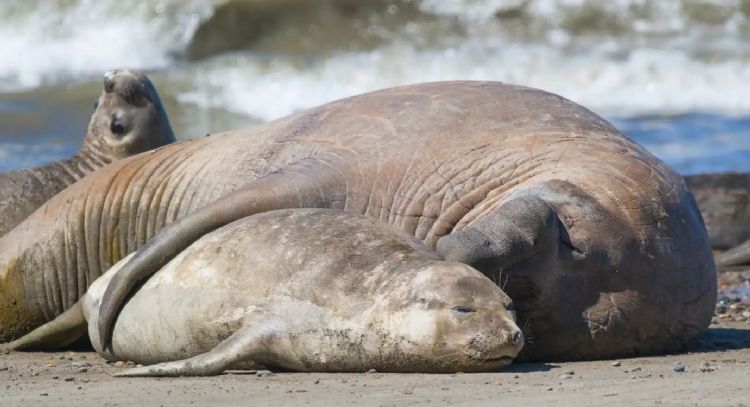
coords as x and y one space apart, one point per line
307 184
67 328
243 346
736 256
511 233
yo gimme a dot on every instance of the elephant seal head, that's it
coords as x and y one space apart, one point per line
129 117
593 277
450 317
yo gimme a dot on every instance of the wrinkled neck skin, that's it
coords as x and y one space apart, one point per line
95 154
85 161
23 191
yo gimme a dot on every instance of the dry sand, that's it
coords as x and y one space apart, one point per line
717 373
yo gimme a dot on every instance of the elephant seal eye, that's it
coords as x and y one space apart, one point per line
463 310
96 104
511 307
116 126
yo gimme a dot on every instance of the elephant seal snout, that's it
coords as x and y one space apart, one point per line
129 117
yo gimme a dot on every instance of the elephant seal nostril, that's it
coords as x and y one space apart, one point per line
516 337
117 127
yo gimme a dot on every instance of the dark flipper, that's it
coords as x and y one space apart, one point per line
513 232
736 256
308 184
67 328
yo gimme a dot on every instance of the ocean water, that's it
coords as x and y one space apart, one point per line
672 74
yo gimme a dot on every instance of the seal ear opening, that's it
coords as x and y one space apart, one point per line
515 231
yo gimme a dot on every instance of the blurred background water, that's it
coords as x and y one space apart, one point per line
674 75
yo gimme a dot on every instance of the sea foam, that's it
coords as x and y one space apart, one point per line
618 57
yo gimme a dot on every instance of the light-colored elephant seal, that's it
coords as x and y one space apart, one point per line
724 202
129 119
599 244
310 290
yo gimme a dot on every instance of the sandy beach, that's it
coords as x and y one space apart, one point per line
716 373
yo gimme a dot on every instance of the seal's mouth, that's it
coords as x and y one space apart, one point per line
500 360
488 365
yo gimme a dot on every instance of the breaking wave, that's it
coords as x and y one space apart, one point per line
267 58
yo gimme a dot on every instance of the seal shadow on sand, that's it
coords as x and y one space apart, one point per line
528 367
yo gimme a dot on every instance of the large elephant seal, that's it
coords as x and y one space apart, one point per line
128 119
599 244
310 290
724 201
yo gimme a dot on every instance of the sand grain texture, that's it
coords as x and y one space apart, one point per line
716 374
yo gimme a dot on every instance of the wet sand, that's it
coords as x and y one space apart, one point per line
716 373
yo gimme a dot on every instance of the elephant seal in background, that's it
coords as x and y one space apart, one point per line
310 290
600 244
724 201
129 119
